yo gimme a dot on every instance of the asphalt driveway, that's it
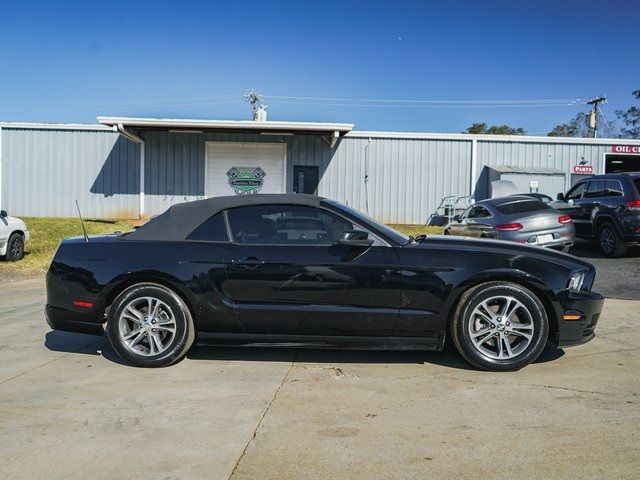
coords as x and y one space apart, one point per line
615 277
70 409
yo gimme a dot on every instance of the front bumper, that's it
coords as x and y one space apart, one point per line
587 306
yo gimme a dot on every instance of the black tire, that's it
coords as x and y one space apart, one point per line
460 327
176 348
447 232
15 248
609 242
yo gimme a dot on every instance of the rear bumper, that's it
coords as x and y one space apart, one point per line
588 306
68 321
560 237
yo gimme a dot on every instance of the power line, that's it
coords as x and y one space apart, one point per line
408 105
561 101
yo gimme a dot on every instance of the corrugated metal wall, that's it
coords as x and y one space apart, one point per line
175 164
560 156
44 171
406 177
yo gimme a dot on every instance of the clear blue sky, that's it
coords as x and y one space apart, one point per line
72 61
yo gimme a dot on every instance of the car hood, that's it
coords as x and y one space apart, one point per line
501 247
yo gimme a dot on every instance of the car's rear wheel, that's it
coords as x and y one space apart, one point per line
610 242
500 326
15 248
149 325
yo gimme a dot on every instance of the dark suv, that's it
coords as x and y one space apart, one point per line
605 208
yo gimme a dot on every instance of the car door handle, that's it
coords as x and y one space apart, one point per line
249 262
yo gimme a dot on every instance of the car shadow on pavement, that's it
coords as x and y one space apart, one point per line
447 358
80 343
83 344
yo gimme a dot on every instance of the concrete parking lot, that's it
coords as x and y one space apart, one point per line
70 409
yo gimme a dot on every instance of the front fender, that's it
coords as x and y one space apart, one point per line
501 274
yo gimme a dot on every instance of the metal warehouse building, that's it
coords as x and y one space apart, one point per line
137 167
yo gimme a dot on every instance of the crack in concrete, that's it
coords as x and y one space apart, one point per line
264 413
536 385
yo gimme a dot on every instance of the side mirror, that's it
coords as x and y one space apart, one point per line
355 238
560 196
457 218
3 214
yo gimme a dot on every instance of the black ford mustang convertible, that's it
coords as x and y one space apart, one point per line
301 270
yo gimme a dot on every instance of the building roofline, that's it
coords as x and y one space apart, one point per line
269 126
490 138
54 126
345 129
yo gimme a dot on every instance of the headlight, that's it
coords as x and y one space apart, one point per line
576 281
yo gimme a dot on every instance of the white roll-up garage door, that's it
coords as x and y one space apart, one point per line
244 168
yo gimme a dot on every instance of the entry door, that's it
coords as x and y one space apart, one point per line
305 179
288 274
244 168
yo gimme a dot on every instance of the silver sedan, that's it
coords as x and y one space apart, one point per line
519 219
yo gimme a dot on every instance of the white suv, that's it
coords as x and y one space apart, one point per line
13 236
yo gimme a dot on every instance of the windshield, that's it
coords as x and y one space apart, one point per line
386 230
637 182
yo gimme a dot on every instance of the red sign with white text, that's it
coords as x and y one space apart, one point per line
626 149
584 169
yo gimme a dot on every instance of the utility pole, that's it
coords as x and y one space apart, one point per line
592 118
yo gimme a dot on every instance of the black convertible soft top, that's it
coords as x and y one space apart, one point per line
180 220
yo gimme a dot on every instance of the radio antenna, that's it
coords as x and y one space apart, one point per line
84 230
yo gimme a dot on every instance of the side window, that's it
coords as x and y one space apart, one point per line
466 213
213 230
613 188
595 189
483 213
286 224
576 192
478 212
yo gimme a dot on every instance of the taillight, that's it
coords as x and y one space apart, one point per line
564 219
633 204
509 227
83 304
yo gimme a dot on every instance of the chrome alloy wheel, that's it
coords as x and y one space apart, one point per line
501 327
147 326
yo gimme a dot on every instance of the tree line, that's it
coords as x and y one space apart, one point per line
577 126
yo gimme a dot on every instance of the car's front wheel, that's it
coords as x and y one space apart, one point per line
149 325
500 326
15 248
